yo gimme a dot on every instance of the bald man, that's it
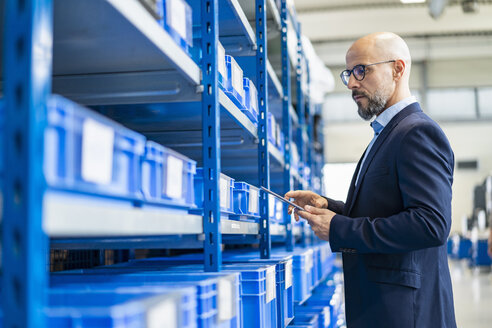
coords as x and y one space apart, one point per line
393 226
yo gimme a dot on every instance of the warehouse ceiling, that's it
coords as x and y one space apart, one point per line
463 29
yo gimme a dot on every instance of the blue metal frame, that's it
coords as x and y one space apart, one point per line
286 120
263 154
27 85
211 136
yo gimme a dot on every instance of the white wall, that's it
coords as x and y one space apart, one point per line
345 142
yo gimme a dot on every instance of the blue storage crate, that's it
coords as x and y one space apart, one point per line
302 272
111 309
323 312
187 315
226 185
87 152
152 171
305 320
207 286
257 282
464 248
2 132
234 83
219 301
250 101
178 183
316 266
328 295
178 22
283 267
222 67
480 257
246 200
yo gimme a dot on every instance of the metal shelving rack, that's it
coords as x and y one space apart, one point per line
134 61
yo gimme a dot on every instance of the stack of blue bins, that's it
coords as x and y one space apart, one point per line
217 294
302 271
71 306
480 257
257 285
283 275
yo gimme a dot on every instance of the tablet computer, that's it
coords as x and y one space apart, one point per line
297 207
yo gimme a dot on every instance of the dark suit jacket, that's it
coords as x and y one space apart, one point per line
393 228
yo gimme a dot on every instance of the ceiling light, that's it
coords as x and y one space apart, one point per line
412 1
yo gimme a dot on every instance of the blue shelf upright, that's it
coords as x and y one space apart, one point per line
211 137
263 153
27 84
286 120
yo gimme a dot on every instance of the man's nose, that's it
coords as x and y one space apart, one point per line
352 82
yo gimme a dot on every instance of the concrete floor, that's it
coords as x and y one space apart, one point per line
472 295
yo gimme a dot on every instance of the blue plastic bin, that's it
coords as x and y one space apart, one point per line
234 83
250 101
152 171
305 320
283 267
257 282
302 272
187 307
246 200
68 309
178 179
331 296
177 21
323 313
2 132
87 152
222 67
218 294
226 192
480 257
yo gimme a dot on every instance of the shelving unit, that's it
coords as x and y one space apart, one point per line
114 56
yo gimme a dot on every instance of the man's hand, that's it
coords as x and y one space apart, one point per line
305 197
319 219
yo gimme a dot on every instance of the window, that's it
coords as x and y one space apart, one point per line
337 178
451 103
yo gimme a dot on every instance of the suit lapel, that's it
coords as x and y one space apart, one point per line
412 108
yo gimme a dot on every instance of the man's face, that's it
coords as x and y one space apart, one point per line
373 92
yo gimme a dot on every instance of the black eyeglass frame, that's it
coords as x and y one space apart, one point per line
348 72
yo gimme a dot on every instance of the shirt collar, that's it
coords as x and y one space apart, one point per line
391 111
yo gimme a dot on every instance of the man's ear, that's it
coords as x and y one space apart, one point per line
399 69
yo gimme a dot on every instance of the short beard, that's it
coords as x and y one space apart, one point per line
375 105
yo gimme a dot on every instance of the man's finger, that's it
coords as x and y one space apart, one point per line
315 210
292 194
306 215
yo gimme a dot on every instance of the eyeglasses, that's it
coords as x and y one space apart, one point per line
359 71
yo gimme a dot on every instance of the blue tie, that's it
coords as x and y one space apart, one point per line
377 127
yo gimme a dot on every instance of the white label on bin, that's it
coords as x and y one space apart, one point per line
174 183
326 314
288 274
226 301
97 152
178 17
224 193
271 207
253 200
270 284
163 315
237 78
309 261
222 64
254 96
